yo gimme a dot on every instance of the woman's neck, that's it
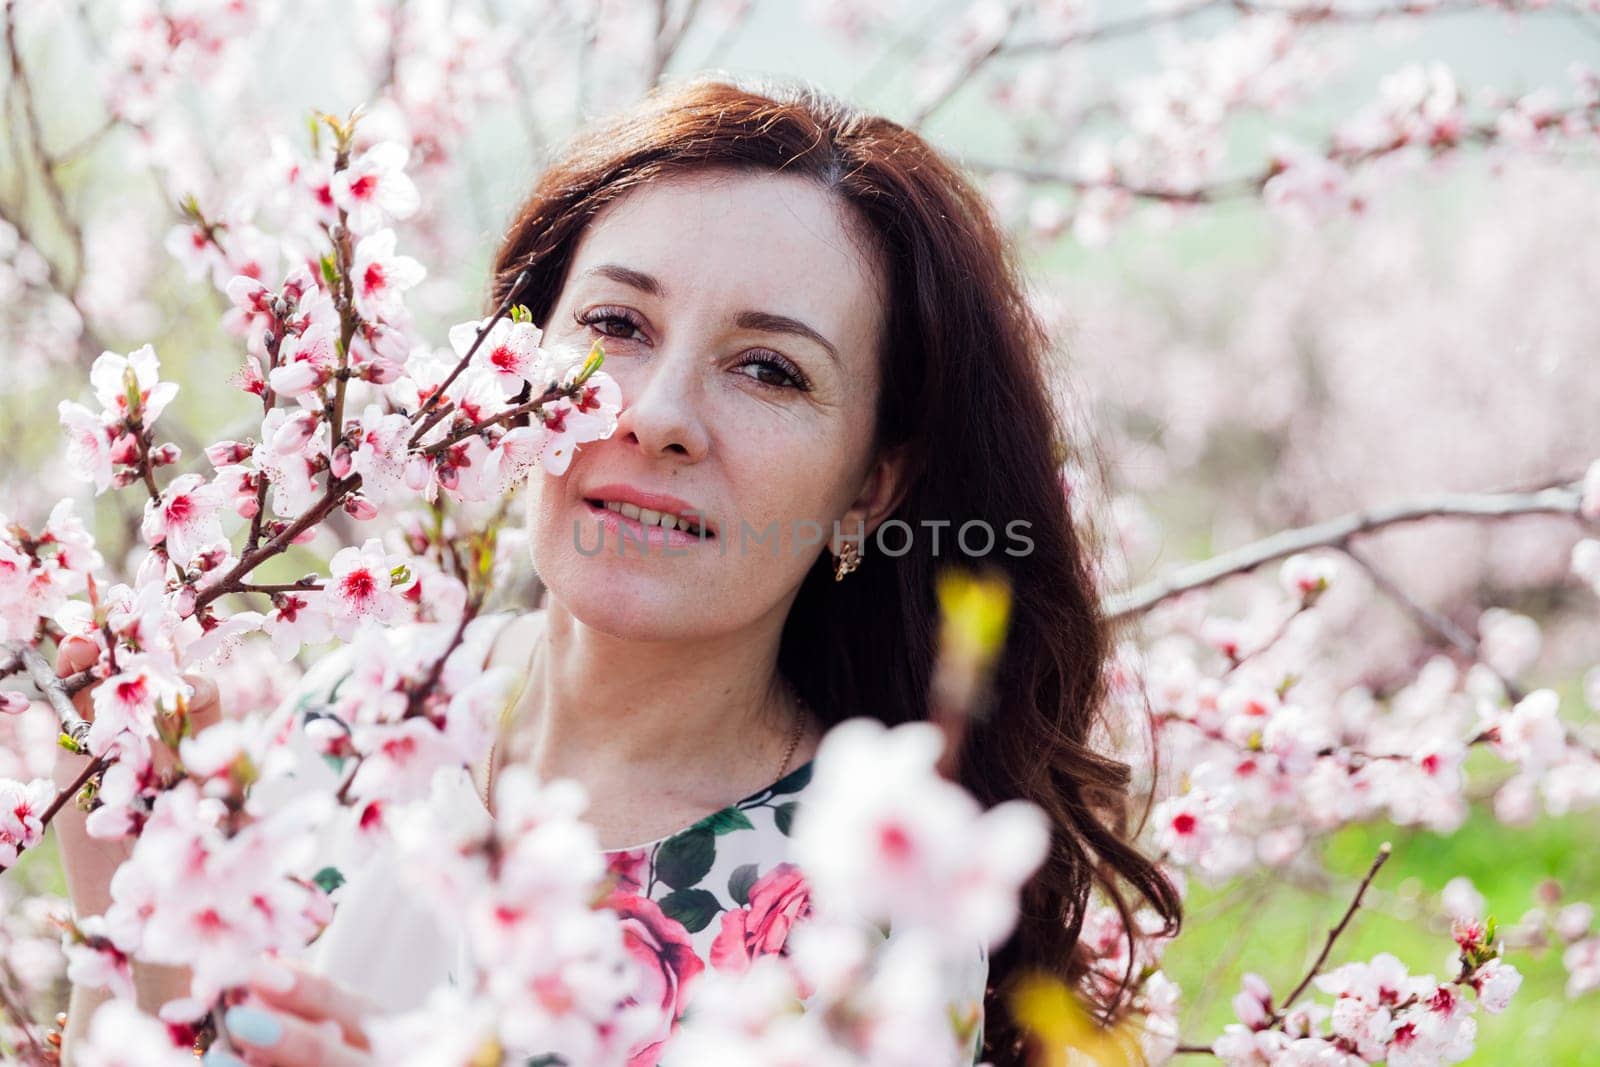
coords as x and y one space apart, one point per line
601 706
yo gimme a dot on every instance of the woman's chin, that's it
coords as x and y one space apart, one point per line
630 600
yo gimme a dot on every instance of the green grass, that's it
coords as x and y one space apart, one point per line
1276 929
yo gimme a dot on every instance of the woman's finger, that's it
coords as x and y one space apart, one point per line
205 704
313 996
279 1039
73 655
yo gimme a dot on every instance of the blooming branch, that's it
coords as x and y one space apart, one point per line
1565 500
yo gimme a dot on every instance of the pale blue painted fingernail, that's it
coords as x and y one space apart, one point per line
218 1058
253 1026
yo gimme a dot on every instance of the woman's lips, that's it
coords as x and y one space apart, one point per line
619 531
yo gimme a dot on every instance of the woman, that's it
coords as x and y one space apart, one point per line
817 329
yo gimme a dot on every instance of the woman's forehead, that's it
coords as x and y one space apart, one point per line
740 236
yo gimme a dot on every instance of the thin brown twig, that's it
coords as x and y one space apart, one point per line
1455 636
1385 850
1112 28
337 490
513 291
92 768
1429 619
86 143
1335 533
146 470
53 688
24 88
1270 642
279 587
1250 185
24 1023
506 417
974 63
1326 14
668 37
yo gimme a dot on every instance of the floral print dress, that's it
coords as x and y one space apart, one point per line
712 896
715 895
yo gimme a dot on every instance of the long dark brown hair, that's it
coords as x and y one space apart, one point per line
964 395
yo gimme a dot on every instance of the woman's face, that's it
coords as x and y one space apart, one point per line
741 314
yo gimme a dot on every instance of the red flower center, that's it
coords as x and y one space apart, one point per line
895 842
358 584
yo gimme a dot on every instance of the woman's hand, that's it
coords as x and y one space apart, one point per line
87 862
300 1020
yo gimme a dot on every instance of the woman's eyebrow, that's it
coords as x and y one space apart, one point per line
765 321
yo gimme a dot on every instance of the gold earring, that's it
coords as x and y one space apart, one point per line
848 559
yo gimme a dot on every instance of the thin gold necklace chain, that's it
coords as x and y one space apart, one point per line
796 735
801 715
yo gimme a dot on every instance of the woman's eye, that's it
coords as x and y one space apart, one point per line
774 372
611 324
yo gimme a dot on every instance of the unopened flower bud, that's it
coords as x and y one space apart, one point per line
125 449
359 507
165 455
380 371
294 433
225 452
342 461
210 558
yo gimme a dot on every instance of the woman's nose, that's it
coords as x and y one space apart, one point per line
661 407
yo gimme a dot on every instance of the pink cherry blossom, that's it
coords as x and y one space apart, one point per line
912 847
361 587
380 276
185 518
129 700
1496 982
96 962
89 441
374 188
1307 574
380 452
306 361
123 1036
21 805
1582 961
297 619
591 416
110 376
510 351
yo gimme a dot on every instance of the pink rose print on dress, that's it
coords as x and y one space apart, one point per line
778 900
629 869
666 957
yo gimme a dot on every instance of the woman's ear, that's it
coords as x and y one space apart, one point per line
881 492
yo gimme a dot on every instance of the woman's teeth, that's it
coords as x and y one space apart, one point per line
647 517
